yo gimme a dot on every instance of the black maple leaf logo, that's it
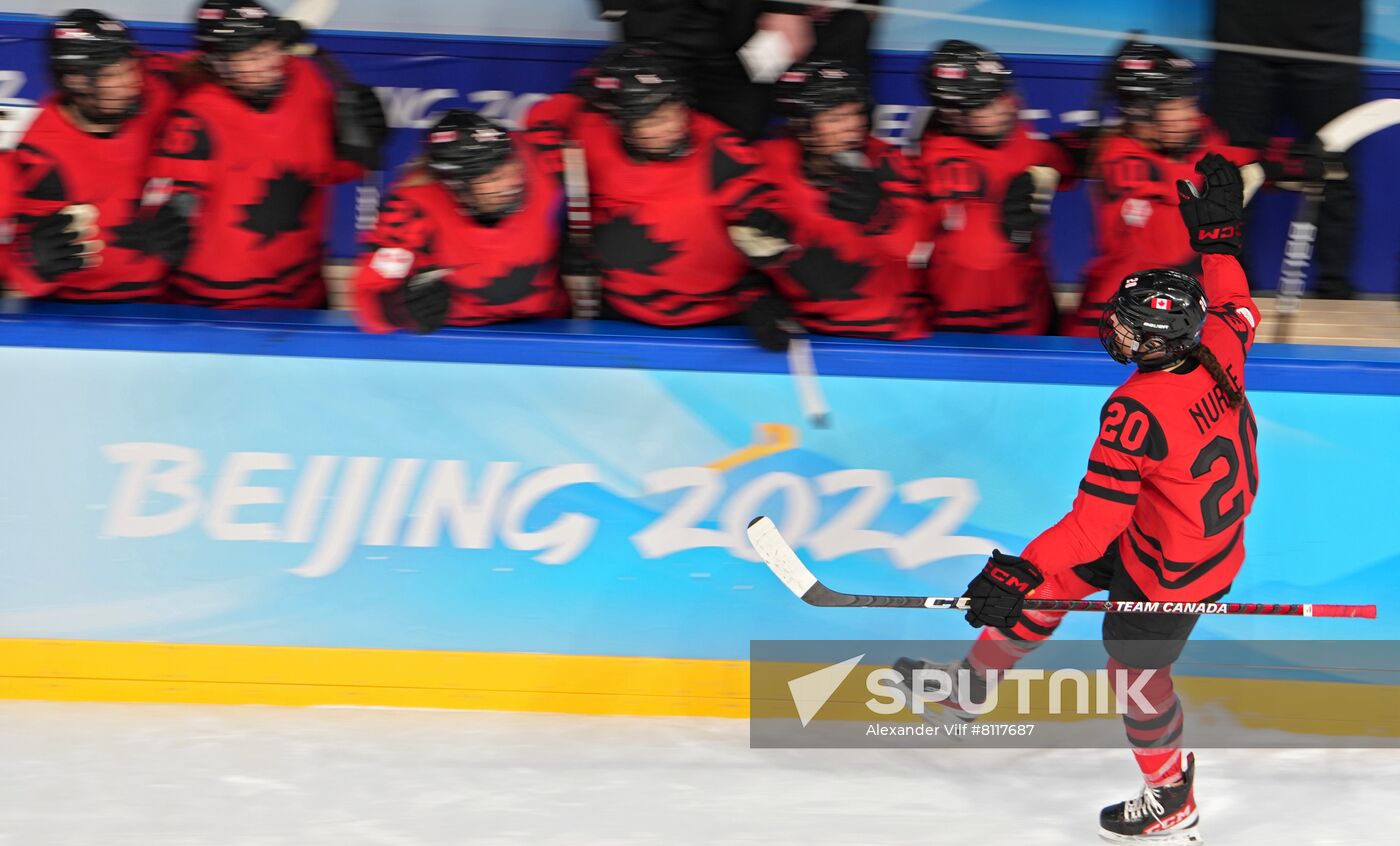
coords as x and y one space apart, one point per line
510 287
827 276
132 235
624 244
280 209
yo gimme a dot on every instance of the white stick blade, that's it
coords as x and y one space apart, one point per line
1366 119
312 14
768 542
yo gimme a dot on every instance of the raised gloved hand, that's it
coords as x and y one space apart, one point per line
1214 213
998 592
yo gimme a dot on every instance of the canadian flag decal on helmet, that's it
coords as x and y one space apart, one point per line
951 72
443 137
1162 303
1136 64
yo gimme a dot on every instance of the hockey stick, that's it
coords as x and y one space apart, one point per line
804 375
775 552
583 290
1337 137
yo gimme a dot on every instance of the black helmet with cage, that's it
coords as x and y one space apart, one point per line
1145 75
1155 319
83 43
464 147
810 89
630 85
961 78
229 32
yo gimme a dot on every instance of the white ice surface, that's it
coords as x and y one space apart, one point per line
119 775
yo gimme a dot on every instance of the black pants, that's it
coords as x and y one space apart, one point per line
1146 641
1250 92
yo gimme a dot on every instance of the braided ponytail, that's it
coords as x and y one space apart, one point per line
1202 355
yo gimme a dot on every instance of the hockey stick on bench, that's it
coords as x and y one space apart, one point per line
768 542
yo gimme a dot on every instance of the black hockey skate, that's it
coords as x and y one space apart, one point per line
945 712
1157 815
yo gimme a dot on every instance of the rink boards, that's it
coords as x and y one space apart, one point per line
277 508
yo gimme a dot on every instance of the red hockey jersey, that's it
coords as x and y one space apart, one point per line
58 165
660 228
509 271
978 280
261 179
1137 226
1174 471
850 278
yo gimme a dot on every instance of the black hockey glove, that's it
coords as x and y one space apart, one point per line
360 126
61 243
771 322
1019 216
1078 146
420 304
165 232
999 591
1214 215
855 196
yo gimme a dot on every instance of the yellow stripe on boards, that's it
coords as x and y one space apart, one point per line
98 671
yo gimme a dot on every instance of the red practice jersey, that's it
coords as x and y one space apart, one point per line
1174 472
261 180
660 228
979 281
852 278
1137 225
59 165
509 271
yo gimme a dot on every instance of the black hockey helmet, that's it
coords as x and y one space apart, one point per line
1154 320
808 89
223 27
465 146
1145 74
82 42
635 81
961 76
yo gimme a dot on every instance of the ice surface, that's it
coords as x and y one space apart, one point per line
160 775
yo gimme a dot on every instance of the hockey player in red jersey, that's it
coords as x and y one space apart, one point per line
470 237
990 182
1160 513
250 154
1162 138
680 212
82 231
856 208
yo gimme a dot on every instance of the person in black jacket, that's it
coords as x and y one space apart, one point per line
1249 91
703 38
